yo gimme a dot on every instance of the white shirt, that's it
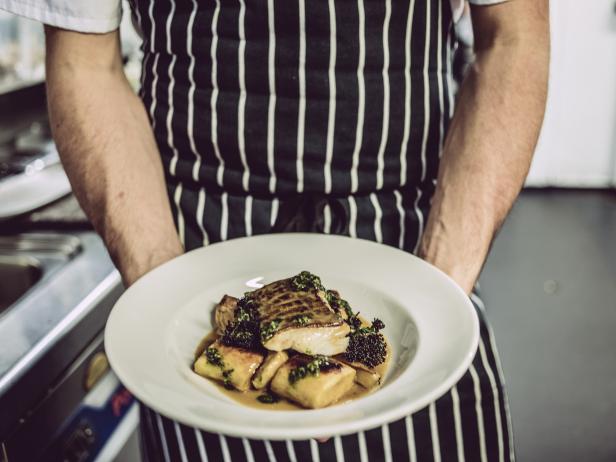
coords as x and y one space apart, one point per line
99 16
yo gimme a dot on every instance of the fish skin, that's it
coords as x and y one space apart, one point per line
323 331
279 301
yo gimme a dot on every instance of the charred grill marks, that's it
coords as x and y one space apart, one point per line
281 301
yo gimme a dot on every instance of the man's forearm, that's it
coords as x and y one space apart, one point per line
486 155
108 150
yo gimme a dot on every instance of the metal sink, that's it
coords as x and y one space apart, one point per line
27 260
40 243
17 275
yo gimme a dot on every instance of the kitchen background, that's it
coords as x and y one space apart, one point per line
549 284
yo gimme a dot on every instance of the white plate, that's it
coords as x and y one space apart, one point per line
156 325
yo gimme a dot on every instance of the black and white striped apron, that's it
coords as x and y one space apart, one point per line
312 115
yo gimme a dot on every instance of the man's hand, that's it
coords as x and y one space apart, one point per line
108 150
492 136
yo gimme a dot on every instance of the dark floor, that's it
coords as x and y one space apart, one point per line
550 291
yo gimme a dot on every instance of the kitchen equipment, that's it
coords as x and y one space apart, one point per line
56 388
31 175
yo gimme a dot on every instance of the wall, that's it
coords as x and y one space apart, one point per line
578 142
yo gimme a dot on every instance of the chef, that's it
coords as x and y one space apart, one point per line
328 116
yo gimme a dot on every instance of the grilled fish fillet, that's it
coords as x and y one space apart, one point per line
239 364
313 391
305 322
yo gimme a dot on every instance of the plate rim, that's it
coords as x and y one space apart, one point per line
324 429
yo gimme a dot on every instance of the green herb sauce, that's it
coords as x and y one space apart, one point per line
268 398
269 329
301 319
313 368
214 357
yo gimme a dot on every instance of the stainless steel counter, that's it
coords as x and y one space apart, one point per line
53 305
50 325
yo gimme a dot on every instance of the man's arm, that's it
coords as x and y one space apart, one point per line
108 150
492 136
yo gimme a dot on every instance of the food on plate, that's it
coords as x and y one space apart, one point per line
224 314
313 382
366 376
298 317
232 365
268 368
366 344
290 344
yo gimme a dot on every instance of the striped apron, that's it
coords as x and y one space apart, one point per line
312 115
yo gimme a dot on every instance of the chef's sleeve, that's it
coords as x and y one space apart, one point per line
91 16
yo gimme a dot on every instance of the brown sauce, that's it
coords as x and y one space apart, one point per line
249 398
204 343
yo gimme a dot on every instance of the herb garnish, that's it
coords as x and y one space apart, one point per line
377 325
268 329
306 281
268 398
246 309
312 367
301 319
226 379
367 345
354 322
214 357
243 332
339 304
